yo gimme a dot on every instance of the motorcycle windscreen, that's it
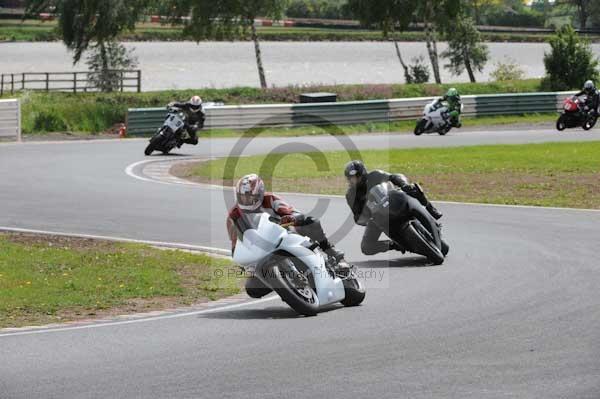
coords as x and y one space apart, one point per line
257 237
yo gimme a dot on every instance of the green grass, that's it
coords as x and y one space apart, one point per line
553 174
32 30
49 279
96 112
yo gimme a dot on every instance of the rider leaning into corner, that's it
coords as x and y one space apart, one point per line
592 100
195 117
251 196
452 98
360 182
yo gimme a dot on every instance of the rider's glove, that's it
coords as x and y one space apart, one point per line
288 220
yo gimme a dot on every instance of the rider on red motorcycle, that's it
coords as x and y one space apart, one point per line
592 100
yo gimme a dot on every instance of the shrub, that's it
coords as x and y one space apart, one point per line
418 71
570 61
508 70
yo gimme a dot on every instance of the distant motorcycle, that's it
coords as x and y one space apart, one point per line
436 119
291 265
405 221
170 135
576 114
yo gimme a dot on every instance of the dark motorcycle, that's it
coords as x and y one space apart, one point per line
170 135
405 221
576 114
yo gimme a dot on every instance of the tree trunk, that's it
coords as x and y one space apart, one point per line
583 15
404 66
468 67
432 50
105 84
476 12
259 63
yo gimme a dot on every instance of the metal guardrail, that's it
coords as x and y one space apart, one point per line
147 120
10 119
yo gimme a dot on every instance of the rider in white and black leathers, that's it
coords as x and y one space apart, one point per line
195 117
360 183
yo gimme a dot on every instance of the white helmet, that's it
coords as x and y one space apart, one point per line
250 192
196 103
589 85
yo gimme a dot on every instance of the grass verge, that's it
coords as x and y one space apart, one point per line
33 30
552 174
99 112
46 279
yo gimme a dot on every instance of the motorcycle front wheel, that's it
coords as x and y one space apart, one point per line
294 287
561 124
420 128
423 242
154 144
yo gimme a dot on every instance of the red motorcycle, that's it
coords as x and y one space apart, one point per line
576 114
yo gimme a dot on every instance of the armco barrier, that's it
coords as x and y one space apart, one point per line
10 119
147 120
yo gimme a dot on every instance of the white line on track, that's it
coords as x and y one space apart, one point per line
144 320
130 171
214 250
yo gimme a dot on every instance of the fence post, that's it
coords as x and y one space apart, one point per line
12 83
19 137
2 86
139 80
47 81
23 82
74 82
122 77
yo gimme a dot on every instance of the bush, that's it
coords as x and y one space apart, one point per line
48 121
321 9
570 61
418 71
508 70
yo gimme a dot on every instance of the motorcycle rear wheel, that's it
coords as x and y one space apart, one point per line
355 292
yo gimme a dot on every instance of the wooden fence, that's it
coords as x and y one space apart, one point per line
126 80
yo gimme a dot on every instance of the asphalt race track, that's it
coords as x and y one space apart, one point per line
513 313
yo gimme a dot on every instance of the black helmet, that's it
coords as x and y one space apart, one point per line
355 169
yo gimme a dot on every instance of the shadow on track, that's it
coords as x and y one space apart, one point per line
408 262
273 312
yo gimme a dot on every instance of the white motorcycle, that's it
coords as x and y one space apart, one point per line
291 265
435 119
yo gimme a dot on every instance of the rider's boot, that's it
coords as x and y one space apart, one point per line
394 246
433 211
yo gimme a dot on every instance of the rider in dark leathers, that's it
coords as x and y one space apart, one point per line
592 100
195 117
360 183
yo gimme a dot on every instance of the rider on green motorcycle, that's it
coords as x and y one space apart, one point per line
454 105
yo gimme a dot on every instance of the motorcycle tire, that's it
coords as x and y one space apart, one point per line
443 131
306 302
423 243
154 144
589 123
256 289
561 124
420 128
355 292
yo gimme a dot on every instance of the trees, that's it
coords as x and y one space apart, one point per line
570 61
583 10
82 22
465 50
105 61
95 24
437 17
388 15
228 19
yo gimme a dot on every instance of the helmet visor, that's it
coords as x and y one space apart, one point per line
248 199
